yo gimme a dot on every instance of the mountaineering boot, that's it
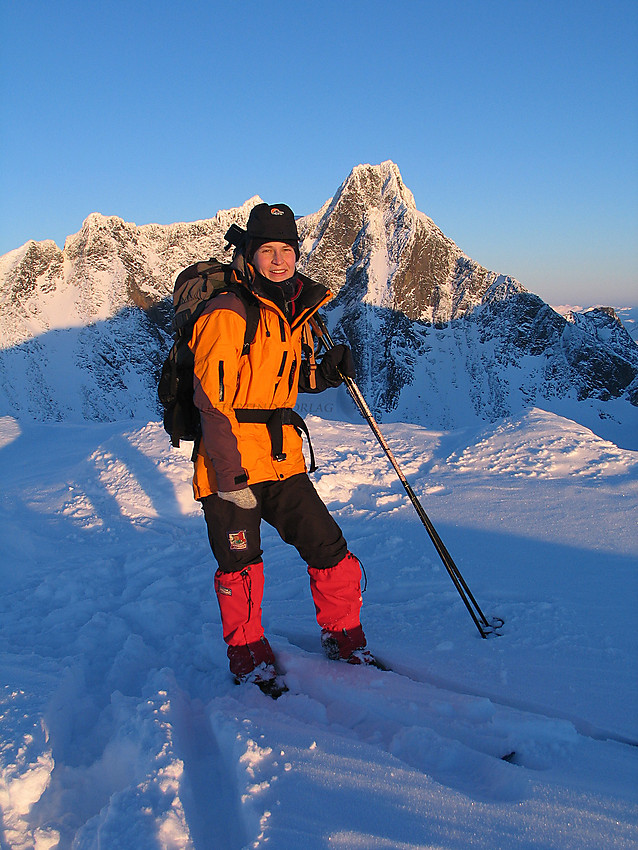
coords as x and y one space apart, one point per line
340 644
344 644
255 663
267 679
336 592
250 656
349 645
245 659
239 595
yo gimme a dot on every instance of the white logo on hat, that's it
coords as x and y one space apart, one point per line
277 211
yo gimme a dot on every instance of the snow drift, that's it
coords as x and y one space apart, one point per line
121 726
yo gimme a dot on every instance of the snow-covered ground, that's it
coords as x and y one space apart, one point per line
120 726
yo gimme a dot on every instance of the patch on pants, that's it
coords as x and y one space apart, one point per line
237 540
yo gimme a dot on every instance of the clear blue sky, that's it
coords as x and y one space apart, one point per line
515 124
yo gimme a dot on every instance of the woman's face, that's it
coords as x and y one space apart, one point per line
275 260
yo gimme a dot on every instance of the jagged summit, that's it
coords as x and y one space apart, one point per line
384 179
438 339
391 254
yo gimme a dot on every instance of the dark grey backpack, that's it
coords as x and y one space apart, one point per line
194 287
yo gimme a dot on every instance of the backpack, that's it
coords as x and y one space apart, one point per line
194 287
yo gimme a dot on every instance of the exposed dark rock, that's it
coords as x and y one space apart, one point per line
437 338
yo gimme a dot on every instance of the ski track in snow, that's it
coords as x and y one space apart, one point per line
120 726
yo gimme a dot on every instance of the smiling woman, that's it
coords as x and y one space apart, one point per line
275 260
249 464
273 241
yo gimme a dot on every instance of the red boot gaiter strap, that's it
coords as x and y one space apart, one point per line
336 593
239 595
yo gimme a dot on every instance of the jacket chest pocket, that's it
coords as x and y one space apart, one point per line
282 361
284 358
280 372
220 373
291 376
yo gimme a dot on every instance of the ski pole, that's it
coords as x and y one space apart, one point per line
484 627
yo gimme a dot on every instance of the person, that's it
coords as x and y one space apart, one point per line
249 465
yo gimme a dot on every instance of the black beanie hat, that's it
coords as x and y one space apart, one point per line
271 223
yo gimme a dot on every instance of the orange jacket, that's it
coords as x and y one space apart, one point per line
233 453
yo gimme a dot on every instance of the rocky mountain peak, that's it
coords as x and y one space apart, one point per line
391 254
437 338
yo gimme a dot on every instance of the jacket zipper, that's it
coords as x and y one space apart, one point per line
283 364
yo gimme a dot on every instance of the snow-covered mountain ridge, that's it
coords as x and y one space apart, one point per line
438 339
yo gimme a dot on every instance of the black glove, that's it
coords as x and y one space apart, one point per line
336 364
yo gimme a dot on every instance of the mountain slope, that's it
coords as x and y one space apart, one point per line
438 339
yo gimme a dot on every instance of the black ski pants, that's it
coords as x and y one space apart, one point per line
293 507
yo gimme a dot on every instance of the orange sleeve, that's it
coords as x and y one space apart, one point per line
217 343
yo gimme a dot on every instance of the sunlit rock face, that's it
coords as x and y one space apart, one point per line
438 339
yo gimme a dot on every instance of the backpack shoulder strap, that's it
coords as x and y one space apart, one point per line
251 304
252 322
